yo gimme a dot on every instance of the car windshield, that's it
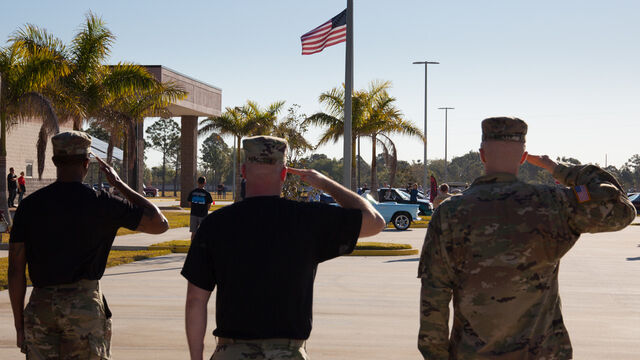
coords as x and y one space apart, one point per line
634 197
370 198
404 195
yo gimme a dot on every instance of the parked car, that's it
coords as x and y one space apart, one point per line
327 199
402 197
400 215
103 186
635 200
149 191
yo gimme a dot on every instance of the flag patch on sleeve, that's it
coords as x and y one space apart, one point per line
582 193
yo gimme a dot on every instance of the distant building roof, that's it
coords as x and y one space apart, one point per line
99 148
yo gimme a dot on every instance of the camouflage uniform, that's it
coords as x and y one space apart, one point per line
264 149
268 349
67 322
496 250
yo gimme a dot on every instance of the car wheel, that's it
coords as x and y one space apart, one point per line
401 221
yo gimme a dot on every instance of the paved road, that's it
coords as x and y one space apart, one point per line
367 307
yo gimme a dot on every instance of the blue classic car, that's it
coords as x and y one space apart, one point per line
403 197
400 215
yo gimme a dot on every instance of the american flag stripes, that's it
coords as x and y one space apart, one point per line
330 33
582 193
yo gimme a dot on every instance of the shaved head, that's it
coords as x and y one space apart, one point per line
502 156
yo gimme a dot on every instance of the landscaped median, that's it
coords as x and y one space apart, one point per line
362 248
115 258
177 218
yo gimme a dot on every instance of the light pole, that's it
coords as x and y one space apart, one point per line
425 175
446 110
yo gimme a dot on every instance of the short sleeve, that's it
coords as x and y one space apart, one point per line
18 230
198 266
121 212
209 198
336 230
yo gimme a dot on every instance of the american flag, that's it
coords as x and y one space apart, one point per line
582 193
330 33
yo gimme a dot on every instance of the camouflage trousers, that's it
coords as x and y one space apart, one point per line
266 349
68 321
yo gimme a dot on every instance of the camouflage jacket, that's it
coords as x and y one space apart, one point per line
496 250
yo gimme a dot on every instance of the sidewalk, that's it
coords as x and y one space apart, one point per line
367 307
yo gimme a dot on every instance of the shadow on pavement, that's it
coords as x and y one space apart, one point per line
633 259
143 271
402 260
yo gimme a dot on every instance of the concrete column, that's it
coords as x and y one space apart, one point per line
188 156
139 169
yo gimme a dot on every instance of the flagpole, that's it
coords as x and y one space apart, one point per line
348 89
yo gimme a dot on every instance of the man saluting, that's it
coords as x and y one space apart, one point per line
262 254
64 232
496 250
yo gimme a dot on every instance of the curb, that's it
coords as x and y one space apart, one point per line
174 249
399 252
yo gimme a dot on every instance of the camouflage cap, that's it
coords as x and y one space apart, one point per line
504 129
71 143
265 149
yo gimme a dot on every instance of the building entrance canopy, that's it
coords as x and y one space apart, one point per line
202 100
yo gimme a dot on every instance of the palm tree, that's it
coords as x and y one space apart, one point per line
121 115
90 84
384 119
24 76
364 121
239 122
333 120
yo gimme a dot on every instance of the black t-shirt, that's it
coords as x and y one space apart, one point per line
200 200
262 254
12 185
68 229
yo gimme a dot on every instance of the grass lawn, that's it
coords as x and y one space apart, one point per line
176 219
115 258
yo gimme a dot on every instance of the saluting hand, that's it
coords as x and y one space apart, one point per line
542 161
310 176
110 173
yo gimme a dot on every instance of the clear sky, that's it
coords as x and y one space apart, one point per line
569 68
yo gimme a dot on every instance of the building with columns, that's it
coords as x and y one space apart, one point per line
203 100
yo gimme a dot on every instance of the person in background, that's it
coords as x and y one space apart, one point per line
443 195
22 187
413 194
200 201
12 186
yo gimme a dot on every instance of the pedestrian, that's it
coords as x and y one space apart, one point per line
22 187
64 233
12 186
443 195
264 297
200 201
496 249
413 194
